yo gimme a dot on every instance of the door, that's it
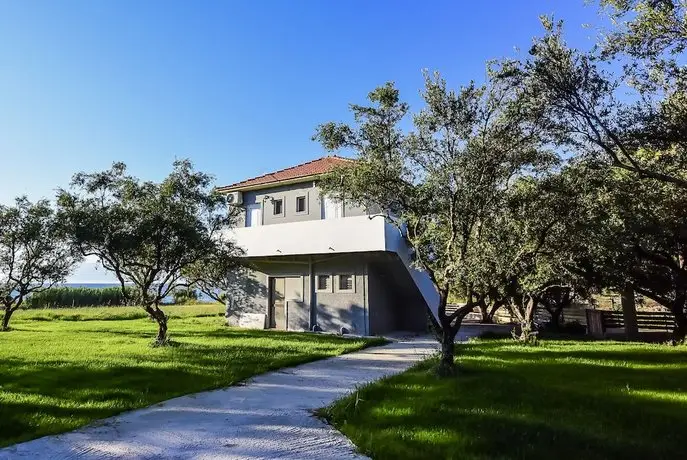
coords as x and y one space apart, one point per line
277 313
253 215
286 303
331 208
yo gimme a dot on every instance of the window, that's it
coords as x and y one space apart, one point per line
300 204
278 207
323 283
346 283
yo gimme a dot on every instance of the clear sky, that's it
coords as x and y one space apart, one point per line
237 87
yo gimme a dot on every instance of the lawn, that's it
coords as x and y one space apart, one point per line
61 369
562 399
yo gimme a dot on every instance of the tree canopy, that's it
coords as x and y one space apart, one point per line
144 232
34 254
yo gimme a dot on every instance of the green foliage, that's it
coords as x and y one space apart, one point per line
222 276
562 399
185 296
108 367
34 254
146 233
445 182
66 296
626 132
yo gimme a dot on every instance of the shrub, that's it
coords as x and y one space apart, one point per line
185 296
65 296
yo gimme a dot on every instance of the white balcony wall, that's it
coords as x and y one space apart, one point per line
350 234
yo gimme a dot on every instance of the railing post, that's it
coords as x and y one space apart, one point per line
595 326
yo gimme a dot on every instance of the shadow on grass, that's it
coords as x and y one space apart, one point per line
49 393
534 404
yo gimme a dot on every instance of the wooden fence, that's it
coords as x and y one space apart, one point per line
600 321
573 314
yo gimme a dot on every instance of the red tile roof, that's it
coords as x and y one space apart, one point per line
311 168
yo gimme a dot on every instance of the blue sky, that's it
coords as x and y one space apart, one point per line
237 87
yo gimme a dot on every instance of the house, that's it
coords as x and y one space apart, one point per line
322 264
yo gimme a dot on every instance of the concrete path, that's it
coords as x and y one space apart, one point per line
270 416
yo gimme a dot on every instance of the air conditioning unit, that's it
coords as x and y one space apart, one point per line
235 198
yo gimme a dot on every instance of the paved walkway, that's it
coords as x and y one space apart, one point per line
270 416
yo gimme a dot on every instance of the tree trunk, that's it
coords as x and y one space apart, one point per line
446 337
487 318
494 308
678 310
447 364
555 317
6 318
528 330
627 301
161 319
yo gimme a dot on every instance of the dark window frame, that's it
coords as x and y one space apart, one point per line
349 277
278 202
304 201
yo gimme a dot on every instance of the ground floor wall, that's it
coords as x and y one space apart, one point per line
348 293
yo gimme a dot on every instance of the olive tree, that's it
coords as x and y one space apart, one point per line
635 236
146 233
442 182
34 254
630 125
525 257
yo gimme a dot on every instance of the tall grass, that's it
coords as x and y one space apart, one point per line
65 296
118 314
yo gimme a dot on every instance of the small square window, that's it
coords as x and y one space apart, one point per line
323 283
278 207
346 283
300 204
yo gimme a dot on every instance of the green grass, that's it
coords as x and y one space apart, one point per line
562 400
62 373
116 313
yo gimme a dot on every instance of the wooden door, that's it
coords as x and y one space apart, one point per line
277 313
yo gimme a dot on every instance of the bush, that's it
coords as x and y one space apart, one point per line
64 296
185 296
573 328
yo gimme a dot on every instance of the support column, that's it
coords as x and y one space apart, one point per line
313 300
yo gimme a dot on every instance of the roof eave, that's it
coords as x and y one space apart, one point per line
247 188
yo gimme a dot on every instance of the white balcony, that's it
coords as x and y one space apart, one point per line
327 236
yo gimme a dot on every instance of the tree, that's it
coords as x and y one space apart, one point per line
580 101
630 128
34 254
528 259
225 277
493 300
146 233
652 33
642 241
442 183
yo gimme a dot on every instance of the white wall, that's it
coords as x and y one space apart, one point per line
349 234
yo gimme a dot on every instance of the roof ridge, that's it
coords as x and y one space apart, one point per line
273 174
